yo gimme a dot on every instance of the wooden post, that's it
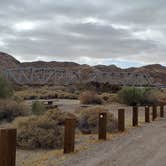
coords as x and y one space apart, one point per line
154 113
102 126
121 120
8 147
147 114
162 111
135 116
69 136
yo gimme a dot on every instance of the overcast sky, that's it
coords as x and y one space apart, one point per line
121 32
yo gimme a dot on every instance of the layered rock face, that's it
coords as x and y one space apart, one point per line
61 76
65 73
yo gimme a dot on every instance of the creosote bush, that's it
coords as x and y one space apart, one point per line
131 96
141 96
38 108
44 131
90 97
6 89
88 120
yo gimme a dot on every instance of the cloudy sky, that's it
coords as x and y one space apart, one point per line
121 32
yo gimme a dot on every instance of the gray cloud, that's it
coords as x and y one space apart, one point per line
71 29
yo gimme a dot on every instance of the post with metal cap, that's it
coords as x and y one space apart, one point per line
147 114
102 126
154 112
135 116
69 136
121 120
8 147
162 111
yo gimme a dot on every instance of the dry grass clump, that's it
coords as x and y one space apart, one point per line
45 131
109 97
90 97
88 120
9 109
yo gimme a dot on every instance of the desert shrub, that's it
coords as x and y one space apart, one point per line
18 99
99 87
5 88
141 96
149 96
154 96
114 98
115 88
162 98
109 98
38 108
9 109
44 131
66 95
131 96
45 92
90 97
88 120
105 96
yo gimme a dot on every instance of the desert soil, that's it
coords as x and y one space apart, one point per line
142 146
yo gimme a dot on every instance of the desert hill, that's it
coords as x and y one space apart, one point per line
156 72
7 61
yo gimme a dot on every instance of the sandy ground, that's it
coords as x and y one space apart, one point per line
142 146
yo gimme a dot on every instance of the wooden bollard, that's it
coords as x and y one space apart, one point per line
154 112
102 126
8 147
121 120
147 114
162 111
69 136
135 116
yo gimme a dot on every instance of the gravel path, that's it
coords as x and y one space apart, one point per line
142 146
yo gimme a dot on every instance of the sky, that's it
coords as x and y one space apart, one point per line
121 32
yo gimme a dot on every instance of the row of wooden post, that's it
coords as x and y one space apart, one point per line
102 125
8 136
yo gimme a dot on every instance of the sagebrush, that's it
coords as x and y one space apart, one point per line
10 109
44 131
88 120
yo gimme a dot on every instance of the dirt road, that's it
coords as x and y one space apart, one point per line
142 146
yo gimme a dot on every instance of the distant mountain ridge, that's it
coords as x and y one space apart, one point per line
157 72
